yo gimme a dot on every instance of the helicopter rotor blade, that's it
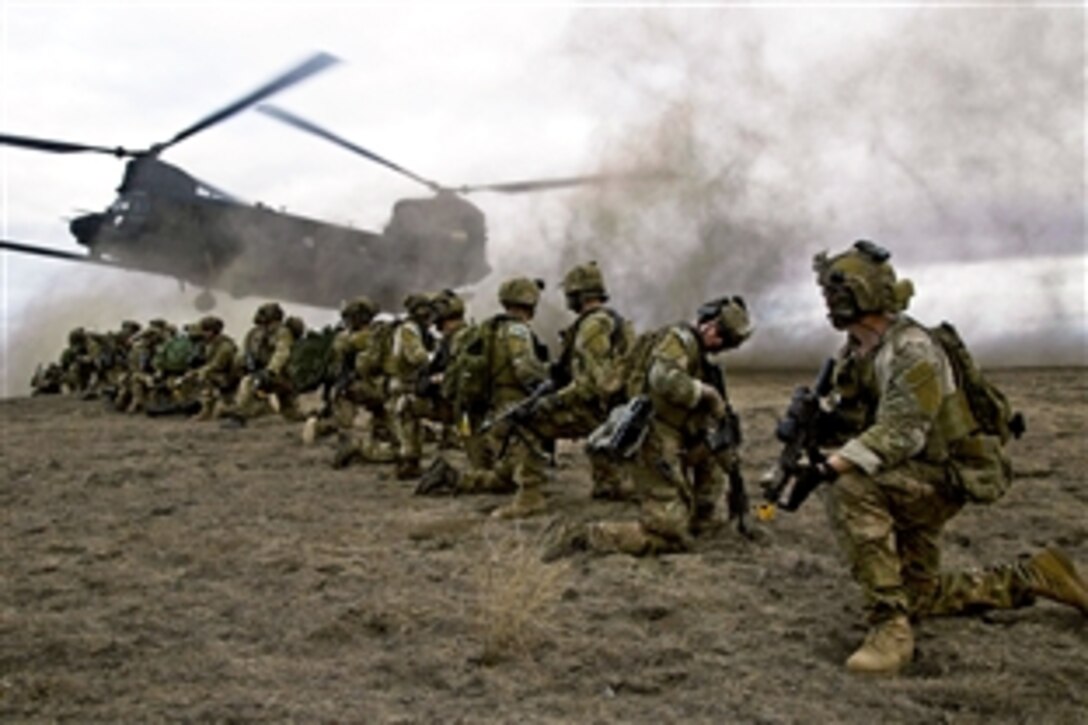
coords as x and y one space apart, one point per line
303 125
316 63
58 147
520 187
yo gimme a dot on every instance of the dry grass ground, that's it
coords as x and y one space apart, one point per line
162 569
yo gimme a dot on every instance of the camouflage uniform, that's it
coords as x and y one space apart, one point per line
48 380
679 486
76 362
109 355
590 371
903 423
403 366
518 366
217 377
139 376
346 389
263 359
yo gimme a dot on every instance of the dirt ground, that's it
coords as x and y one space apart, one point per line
167 569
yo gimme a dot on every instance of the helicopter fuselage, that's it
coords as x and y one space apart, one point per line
165 222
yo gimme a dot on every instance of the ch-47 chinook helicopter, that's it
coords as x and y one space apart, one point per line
165 221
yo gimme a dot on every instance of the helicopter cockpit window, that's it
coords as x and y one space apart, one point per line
129 210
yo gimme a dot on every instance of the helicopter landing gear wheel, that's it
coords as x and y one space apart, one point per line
204 302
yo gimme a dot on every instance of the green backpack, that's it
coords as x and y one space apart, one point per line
636 363
177 355
371 359
467 380
979 460
311 355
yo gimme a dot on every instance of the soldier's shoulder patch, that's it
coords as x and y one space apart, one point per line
519 331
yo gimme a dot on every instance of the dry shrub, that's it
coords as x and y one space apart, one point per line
517 596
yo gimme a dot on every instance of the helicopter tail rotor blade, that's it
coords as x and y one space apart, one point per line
520 187
303 125
316 63
57 147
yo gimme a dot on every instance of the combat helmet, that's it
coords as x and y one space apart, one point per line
211 325
860 281
129 328
267 313
520 292
730 313
358 311
77 336
448 305
581 281
296 326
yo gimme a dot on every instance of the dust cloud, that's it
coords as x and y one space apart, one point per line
951 136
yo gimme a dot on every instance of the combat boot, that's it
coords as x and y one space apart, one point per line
564 539
528 502
1051 575
309 431
408 468
439 479
625 537
205 413
887 648
348 451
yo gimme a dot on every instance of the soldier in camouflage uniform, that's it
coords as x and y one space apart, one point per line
76 362
679 485
517 368
589 373
404 365
262 361
138 377
47 380
217 377
345 390
109 353
904 425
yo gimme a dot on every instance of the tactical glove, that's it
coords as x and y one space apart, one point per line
711 400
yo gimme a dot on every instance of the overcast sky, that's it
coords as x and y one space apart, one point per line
472 93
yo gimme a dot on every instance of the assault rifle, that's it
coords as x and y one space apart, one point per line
792 481
622 434
521 411
725 438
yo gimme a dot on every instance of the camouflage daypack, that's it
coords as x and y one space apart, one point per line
311 355
177 354
979 461
369 362
636 364
620 341
467 381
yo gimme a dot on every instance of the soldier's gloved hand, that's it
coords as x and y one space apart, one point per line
545 406
812 475
711 400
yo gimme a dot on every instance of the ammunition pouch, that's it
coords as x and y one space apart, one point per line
979 468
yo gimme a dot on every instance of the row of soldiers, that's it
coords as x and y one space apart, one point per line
898 432
197 370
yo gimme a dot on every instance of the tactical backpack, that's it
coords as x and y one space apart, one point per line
636 363
176 355
311 355
979 461
371 359
562 369
467 380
